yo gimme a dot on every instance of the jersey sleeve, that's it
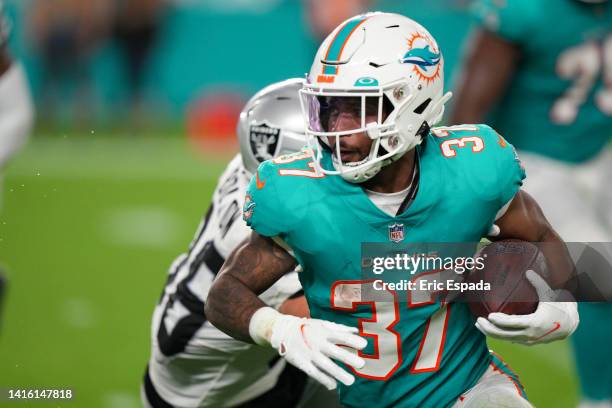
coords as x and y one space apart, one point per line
480 163
280 195
263 210
509 19
506 174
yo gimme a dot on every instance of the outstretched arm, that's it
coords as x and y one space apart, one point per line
488 67
251 268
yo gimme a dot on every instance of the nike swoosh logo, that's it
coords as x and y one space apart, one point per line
304 334
554 329
260 184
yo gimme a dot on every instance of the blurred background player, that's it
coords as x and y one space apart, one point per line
136 28
540 72
67 34
16 112
193 364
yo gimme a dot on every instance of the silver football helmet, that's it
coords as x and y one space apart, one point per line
271 124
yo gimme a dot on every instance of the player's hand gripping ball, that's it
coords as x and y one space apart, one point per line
521 306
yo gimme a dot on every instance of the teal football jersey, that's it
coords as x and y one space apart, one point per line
558 104
424 354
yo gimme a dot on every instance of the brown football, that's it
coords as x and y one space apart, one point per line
505 264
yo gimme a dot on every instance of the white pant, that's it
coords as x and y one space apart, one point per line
576 199
495 389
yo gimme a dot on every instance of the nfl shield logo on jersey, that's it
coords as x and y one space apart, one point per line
396 232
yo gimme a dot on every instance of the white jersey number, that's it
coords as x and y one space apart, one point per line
583 65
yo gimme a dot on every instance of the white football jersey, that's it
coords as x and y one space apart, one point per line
192 363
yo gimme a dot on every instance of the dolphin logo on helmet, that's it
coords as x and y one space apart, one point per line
422 57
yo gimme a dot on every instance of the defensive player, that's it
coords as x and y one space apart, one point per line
192 363
550 92
16 112
377 172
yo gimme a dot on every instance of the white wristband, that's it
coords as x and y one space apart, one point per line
261 325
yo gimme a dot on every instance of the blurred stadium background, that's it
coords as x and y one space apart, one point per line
137 103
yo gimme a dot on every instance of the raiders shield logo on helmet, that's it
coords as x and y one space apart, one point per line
264 141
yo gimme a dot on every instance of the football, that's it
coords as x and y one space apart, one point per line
505 263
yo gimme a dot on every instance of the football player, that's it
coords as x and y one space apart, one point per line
550 92
16 112
378 172
193 364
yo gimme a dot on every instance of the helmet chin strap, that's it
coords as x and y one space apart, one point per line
361 175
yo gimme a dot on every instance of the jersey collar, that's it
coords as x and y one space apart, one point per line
422 198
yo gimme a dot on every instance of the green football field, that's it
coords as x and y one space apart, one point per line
88 228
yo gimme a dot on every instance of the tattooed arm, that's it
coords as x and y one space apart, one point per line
524 220
309 344
251 268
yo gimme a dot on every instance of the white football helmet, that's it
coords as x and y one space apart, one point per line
271 124
376 57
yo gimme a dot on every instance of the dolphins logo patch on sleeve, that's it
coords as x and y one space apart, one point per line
247 208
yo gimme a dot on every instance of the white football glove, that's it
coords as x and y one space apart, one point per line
309 344
552 320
